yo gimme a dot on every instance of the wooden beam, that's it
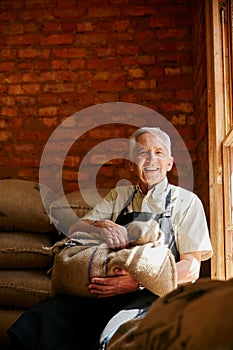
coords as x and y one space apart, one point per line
216 134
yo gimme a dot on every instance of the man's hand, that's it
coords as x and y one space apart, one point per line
110 286
116 236
81 225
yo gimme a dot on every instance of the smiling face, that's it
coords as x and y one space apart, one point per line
152 160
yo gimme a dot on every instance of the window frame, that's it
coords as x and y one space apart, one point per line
219 91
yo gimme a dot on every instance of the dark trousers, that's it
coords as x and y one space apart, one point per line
67 322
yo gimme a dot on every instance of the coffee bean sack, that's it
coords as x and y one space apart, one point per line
23 288
82 256
193 317
22 250
21 206
66 210
7 317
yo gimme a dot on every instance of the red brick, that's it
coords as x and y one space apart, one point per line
25 173
57 39
170 71
7 100
161 22
146 60
30 27
85 27
5 136
2 124
10 112
30 78
144 36
66 76
142 84
48 111
103 12
51 27
72 161
121 25
32 53
66 13
58 88
139 11
77 64
184 94
108 85
176 34
24 100
41 65
69 52
68 26
72 175
136 73
174 107
26 39
16 123
59 64
93 38
7 66
31 88
127 49
25 65
120 37
66 4
37 4
49 122
13 79
15 90
129 61
106 51
9 54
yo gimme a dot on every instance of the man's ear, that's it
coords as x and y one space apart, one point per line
170 163
131 165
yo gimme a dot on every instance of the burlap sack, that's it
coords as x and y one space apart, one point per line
21 207
60 210
193 317
22 250
23 288
7 317
147 259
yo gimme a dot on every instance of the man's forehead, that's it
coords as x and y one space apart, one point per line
148 140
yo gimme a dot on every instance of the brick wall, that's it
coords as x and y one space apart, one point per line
200 102
61 56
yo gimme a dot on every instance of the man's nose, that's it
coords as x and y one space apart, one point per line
152 156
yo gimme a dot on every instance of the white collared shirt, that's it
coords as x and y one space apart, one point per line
187 213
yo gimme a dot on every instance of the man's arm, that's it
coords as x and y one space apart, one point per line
188 268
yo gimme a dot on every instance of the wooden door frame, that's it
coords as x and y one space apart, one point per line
219 122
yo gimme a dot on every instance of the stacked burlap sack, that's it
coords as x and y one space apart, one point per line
196 316
25 229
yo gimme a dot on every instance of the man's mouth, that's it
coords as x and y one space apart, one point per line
150 168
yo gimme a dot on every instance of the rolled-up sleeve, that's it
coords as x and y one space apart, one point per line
191 229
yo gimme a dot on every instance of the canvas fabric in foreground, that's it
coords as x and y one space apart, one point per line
193 317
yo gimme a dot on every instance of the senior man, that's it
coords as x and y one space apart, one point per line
66 322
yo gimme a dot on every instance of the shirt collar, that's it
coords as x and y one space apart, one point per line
158 193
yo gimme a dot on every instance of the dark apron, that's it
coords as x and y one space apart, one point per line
139 307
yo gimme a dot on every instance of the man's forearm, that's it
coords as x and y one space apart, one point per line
188 268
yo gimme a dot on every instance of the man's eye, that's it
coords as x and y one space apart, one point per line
142 153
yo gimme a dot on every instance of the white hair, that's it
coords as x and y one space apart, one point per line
160 134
